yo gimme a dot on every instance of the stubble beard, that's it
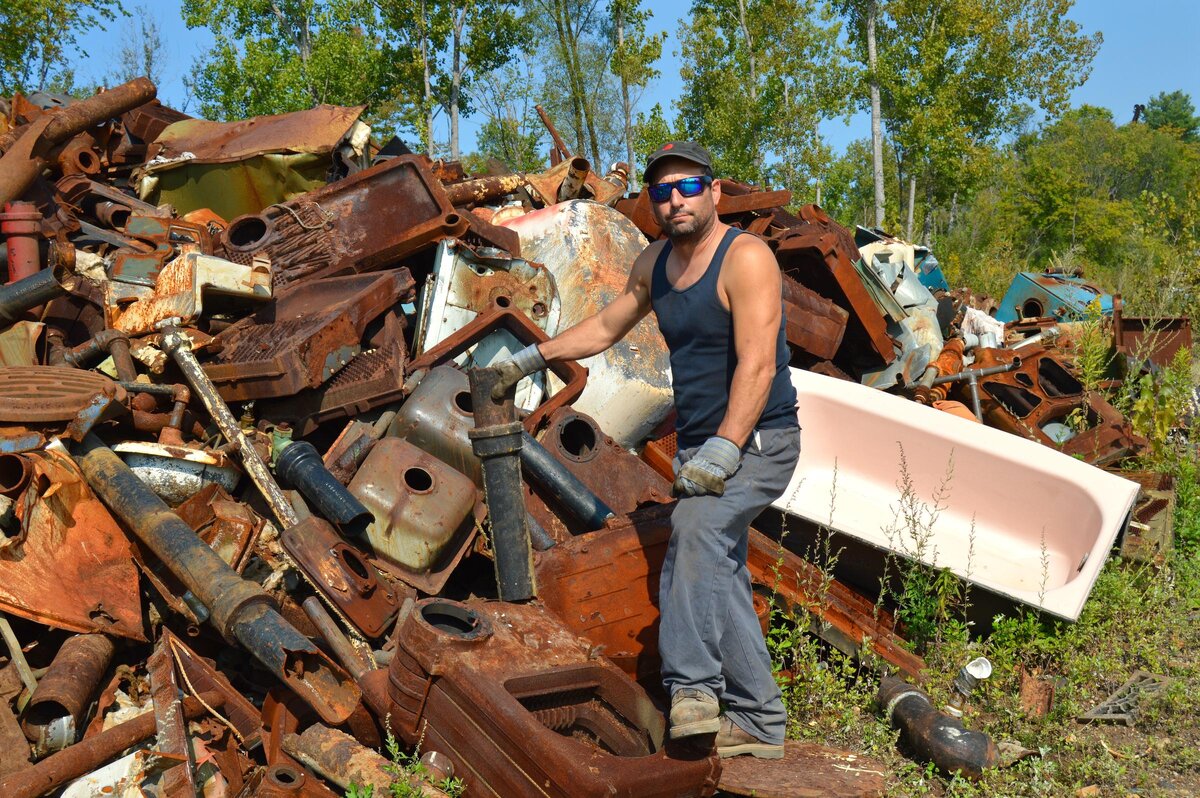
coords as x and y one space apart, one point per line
685 228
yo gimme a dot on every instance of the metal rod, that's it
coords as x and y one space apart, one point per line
17 655
496 440
29 292
973 390
25 148
558 142
342 648
484 189
179 346
987 372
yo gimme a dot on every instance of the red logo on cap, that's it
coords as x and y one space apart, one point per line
668 146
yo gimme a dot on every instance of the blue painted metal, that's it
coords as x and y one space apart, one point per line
1059 295
929 271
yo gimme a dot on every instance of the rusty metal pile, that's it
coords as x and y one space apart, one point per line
259 509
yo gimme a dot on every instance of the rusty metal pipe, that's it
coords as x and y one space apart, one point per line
342 648
84 757
15 472
496 440
37 289
343 760
572 184
558 142
240 609
932 735
179 346
971 378
481 190
26 149
21 226
59 706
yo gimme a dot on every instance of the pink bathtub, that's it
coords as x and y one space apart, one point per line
1044 522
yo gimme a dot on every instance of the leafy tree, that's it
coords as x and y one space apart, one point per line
848 186
483 34
863 17
958 74
651 131
1174 110
633 58
273 56
38 38
758 78
418 26
1121 201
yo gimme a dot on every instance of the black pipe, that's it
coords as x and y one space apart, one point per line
496 440
300 464
29 292
934 736
240 609
539 538
566 488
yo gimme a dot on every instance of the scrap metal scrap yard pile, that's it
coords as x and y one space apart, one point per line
259 509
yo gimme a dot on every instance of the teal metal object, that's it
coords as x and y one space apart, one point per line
1066 298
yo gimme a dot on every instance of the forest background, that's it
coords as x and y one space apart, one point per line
972 147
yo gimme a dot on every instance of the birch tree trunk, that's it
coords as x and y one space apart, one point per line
626 105
876 116
912 200
456 76
758 158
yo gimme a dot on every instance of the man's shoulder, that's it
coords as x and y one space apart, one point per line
748 244
747 252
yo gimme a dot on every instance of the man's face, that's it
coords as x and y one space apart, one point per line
680 216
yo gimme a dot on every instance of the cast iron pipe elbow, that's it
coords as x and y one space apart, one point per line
934 736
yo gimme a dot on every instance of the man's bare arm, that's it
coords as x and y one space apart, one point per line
603 329
754 288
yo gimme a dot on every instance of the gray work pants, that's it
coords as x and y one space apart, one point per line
709 637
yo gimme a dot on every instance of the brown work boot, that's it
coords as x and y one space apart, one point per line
694 712
733 741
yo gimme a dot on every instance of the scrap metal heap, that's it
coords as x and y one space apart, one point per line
259 510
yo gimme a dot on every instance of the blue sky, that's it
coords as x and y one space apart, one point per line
1148 47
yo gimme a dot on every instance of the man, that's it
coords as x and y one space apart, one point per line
717 296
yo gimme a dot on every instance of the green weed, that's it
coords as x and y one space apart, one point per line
409 773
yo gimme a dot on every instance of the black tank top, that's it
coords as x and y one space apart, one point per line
698 330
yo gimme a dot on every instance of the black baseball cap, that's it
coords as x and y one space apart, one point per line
687 150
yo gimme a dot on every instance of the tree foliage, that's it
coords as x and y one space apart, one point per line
38 39
273 56
956 75
759 76
1174 110
1123 202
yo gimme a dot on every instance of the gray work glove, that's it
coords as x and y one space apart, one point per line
706 472
516 368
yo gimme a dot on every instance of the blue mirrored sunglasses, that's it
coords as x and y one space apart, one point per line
688 187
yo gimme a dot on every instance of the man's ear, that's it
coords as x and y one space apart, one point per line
716 191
